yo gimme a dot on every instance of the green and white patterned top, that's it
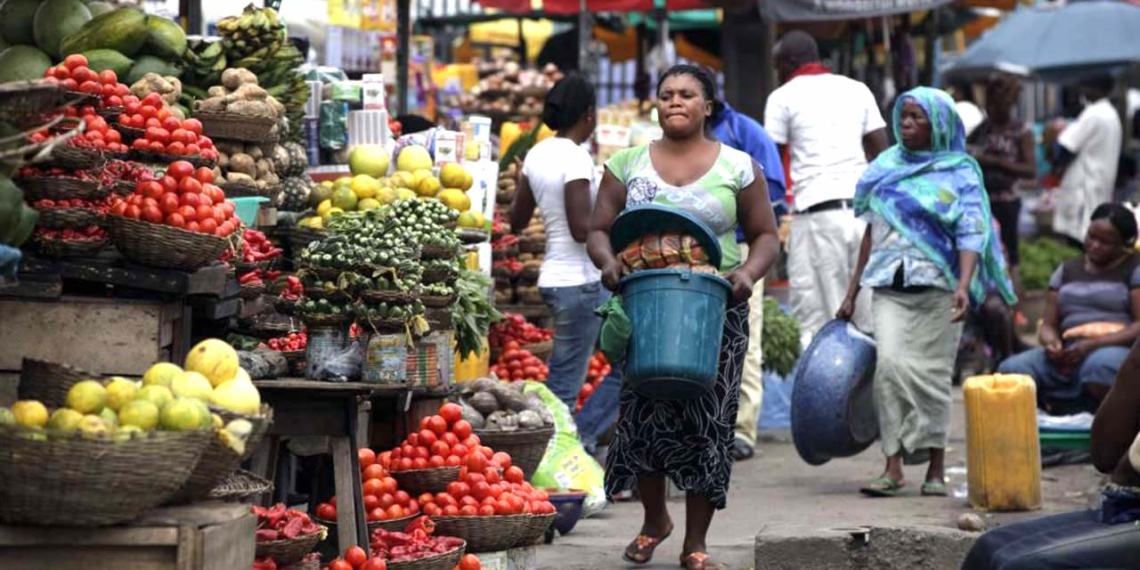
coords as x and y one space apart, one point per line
712 198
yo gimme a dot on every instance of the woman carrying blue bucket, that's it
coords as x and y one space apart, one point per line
688 440
929 250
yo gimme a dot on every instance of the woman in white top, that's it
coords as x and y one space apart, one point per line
559 177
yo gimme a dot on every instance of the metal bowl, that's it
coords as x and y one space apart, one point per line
833 405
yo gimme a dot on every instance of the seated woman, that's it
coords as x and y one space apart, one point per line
1092 316
1108 537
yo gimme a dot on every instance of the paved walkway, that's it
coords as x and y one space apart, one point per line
778 490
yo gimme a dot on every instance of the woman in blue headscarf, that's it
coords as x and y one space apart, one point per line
929 250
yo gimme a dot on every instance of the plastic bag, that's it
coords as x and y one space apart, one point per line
616 329
328 357
566 464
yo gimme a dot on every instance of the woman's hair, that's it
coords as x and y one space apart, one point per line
568 101
1120 217
1003 88
702 75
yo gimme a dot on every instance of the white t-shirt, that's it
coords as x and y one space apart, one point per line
1095 138
823 119
548 167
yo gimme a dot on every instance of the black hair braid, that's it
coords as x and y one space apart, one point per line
567 102
1121 218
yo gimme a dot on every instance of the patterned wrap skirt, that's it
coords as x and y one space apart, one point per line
685 440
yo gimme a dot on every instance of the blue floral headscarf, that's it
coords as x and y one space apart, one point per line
926 196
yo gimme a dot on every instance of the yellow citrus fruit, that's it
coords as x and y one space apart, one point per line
110 417
182 414
7 418
452 175
93 427
120 391
324 207
30 413
364 186
87 397
192 385
455 199
213 358
64 420
368 204
405 194
139 413
161 374
237 396
157 395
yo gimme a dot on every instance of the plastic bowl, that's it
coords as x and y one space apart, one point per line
833 408
246 208
569 505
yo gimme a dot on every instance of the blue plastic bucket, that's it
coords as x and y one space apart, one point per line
246 208
677 318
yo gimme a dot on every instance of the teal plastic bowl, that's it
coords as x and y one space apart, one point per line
246 208
677 317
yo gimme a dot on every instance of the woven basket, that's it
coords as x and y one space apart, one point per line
419 481
29 99
218 461
526 448
80 482
530 274
485 534
469 235
68 248
249 292
532 246
111 113
299 238
531 297
389 296
440 275
285 307
437 301
289 551
76 158
394 525
62 218
536 528
60 188
437 252
240 486
160 158
445 561
317 321
164 246
230 126
506 253
241 190
48 382
128 134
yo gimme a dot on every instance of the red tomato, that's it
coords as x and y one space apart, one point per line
193 200
387 500
432 510
168 203
453 461
413 507
451 413
458 489
405 464
481 490
148 112
515 475
170 122
159 134
438 425
486 511
132 212
205 176
421 453
503 507
390 485
470 562
419 463
450 439
339 564
119 208
326 511
371 502
193 150
374 564
373 471
193 226
492 475
460 450
468 511
180 169
74 60
376 514
451 511
396 512
162 114
90 87
188 213
427 437
205 212
476 463
461 429
502 459
374 487
437 461
402 497
114 101
176 148
440 449
356 556
156 147
217 196
189 185
69 84
153 99
412 441
193 125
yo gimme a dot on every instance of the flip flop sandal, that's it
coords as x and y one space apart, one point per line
741 451
934 489
643 547
699 561
883 487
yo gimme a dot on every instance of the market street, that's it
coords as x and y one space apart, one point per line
780 492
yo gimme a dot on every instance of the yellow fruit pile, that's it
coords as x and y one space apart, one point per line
168 398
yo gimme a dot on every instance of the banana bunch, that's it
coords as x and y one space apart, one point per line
204 63
17 219
256 31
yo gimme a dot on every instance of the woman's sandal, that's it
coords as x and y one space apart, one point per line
934 489
883 487
699 561
640 551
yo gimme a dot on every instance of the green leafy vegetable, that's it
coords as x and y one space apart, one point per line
780 341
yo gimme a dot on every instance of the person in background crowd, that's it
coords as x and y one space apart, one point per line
688 441
832 126
743 133
1086 158
559 178
1105 537
970 113
1092 316
929 233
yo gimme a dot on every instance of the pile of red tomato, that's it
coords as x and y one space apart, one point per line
102 205
599 369
444 440
293 342
516 328
74 75
84 234
184 198
164 133
383 499
517 364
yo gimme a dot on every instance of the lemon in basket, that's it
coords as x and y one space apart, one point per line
160 396
30 413
161 374
120 391
213 358
183 414
87 397
7 418
93 427
64 420
192 385
141 414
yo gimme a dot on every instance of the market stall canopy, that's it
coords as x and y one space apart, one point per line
1063 43
825 10
575 6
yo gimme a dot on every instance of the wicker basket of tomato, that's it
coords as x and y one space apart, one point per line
415 546
81 242
179 222
286 535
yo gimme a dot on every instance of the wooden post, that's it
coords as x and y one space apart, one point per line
746 48
403 44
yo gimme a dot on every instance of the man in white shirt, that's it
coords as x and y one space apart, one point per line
832 127
1088 154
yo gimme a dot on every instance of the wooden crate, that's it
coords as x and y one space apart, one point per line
208 536
103 336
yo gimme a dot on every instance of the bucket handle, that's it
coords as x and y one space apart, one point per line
686 274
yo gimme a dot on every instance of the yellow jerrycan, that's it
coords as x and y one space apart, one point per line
1003 450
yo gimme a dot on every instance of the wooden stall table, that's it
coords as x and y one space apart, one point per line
204 536
330 409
